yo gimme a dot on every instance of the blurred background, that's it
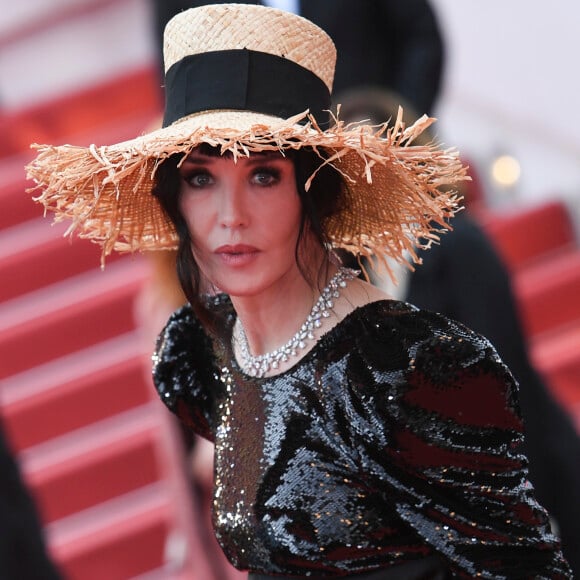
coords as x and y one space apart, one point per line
103 461
509 86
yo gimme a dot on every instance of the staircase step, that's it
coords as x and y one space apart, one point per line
124 538
526 234
34 255
70 316
109 111
76 390
101 454
97 463
17 205
548 292
557 356
104 541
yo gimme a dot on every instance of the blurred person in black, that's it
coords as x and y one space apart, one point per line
391 44
23 553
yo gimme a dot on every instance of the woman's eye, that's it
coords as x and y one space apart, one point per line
198 179
266 176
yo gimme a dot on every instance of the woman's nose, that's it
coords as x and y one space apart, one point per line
233 208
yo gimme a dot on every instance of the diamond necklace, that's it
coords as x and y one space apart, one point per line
259 366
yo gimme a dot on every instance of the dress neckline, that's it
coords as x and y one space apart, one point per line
321 343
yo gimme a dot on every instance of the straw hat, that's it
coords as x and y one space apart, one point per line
250 78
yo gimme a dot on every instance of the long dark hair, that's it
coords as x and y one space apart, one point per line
322 200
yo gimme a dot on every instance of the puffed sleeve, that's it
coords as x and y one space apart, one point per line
185 372
451 458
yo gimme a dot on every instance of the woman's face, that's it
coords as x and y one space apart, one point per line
243 218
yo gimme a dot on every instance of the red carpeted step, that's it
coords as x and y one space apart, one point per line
35 254
101 454
17 205
524 235
121 539
548 292
95 464
77 390
557 356
110 111
78 119
70 316
106 541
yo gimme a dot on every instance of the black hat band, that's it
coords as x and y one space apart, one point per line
243 80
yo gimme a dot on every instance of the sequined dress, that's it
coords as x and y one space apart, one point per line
395 438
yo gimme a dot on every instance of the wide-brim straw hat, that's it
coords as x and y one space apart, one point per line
246 79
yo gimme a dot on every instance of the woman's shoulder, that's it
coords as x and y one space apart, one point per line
185 371
407 322
432 358
425 343
183 329
378 316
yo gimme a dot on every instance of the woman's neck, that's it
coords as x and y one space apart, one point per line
271 318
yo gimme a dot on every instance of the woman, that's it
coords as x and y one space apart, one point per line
355 436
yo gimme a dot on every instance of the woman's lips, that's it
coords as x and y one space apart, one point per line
237 255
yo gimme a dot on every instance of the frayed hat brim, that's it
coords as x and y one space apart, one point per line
397 196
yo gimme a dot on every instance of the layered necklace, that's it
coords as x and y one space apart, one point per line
259 366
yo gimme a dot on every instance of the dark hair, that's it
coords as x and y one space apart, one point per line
322 200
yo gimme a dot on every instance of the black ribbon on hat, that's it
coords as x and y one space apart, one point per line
244 80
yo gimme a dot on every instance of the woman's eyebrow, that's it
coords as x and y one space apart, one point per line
199 158
255 159
266 156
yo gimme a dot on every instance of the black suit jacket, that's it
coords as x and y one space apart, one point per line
392 44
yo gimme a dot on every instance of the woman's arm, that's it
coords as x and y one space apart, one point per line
185 372
450 461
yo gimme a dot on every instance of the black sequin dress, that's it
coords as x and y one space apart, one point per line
396 438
